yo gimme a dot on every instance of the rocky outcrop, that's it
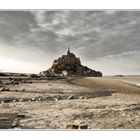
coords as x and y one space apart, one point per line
70 65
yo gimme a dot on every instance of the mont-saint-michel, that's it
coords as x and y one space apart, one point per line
70 65
69 69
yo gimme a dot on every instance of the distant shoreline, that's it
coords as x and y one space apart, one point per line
115 75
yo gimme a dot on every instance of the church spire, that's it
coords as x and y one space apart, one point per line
68 52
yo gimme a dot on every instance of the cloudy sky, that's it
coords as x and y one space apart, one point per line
107 41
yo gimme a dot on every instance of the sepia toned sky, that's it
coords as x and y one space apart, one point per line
106 41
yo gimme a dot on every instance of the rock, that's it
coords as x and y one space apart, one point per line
6 89
56 99
21 100
39 99
71 97
17 128
7 100
2 88
14 100
23 90
21 115
2 102
84 127
81 97
71 126
33 99
16 83
15 123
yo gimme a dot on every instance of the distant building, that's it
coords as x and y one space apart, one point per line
70 65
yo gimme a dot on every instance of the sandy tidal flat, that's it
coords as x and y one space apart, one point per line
99 103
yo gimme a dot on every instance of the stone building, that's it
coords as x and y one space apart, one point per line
70 65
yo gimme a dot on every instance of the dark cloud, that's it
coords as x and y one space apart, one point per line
93 35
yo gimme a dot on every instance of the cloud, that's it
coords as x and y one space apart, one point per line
92 35
123 63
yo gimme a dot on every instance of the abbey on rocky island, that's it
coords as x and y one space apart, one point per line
70 65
